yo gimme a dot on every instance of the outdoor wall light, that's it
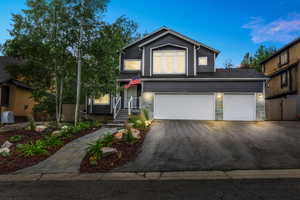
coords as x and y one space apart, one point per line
219 95
148 96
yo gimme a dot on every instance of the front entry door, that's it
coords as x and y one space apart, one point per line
132 91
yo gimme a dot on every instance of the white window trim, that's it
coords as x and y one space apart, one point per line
134 70
174 45
195 61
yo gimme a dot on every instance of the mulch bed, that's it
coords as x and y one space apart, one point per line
16 161
126 152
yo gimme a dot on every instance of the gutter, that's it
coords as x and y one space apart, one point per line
200 79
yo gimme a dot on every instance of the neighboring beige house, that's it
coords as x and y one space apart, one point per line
282 90
15 96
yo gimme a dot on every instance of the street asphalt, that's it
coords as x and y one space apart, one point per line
272 189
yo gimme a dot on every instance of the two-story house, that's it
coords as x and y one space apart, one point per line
282 90
179 80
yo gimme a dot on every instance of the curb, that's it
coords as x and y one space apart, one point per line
157 176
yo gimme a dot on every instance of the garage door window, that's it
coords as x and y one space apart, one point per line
169 62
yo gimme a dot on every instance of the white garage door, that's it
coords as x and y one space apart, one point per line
239 107
190 107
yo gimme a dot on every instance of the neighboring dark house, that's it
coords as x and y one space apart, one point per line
179 80
282 90
15 96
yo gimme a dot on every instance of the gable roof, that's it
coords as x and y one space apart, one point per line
170 31
5 76
295 41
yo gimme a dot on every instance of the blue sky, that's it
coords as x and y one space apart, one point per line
234 27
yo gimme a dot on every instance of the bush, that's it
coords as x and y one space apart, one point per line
146 114
31 125
52 141
138 122
94 149
32 148
128 137
16 138
107 140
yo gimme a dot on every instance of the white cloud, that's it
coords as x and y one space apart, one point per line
280 30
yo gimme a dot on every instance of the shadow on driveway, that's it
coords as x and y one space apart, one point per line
173 145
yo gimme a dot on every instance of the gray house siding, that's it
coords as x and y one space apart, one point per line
169 39
134 52
203 86
210 58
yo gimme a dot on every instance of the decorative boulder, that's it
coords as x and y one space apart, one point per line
136 133
119 134
106 151
4 150
56 133
6 144
40 128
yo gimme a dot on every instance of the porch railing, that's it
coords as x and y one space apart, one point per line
133 103
116 106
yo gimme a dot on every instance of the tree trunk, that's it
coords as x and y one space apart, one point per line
60 99
78 70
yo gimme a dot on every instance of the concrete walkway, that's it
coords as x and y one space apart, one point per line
68 158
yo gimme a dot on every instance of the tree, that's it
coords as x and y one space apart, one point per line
228 64
254 61
51 36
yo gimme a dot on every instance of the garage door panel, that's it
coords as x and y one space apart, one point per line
171 106
239 107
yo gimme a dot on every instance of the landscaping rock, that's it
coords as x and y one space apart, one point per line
56 133
40 128
136 133
119 134
106 151
4 150
6 144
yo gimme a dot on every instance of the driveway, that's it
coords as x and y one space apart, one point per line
173 145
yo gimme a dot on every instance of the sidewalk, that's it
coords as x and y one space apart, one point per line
157 176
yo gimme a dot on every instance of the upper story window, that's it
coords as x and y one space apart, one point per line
104 100
169 62
132 64
284 80
283 58
202 60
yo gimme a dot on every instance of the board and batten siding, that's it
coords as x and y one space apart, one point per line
172 40
203 86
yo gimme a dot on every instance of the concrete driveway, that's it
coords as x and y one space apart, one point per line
173 145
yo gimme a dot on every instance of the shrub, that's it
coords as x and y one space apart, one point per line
31 125
107 140
146 114
128 137
94 149
52 141
32 148
138 122
16 138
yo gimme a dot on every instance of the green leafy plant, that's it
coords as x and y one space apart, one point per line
128 137
94 149
52 141
146 114
32 148
107 140
31 125
4 154
16 138
138 122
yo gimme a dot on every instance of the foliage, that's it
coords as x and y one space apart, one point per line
16 138
146 114
47 35
52 141
228 64
4 154
128 137
31 125
138 121
94 149
253 61
32 148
